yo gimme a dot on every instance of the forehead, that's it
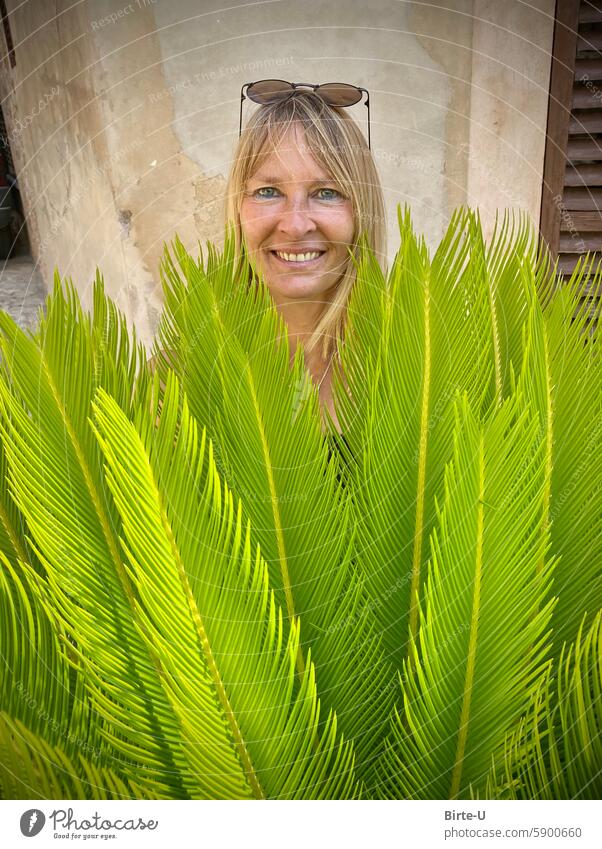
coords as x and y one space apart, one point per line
289 160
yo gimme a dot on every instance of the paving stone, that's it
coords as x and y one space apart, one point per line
21 290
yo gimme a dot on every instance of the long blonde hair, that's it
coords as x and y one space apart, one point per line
334 139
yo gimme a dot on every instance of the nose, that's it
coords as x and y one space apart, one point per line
296 219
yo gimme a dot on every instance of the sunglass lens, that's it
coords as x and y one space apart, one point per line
339 94
266 91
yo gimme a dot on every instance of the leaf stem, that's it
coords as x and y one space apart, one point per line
421 483
474 627
209 656
282 556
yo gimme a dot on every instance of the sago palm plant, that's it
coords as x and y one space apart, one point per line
205 593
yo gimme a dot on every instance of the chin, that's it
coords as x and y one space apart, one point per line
300 288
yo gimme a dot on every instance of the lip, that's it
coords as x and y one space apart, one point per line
309 263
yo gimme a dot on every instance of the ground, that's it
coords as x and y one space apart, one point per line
21 289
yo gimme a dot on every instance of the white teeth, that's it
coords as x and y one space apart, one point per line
298 257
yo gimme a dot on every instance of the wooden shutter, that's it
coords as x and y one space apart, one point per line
7 33
571 208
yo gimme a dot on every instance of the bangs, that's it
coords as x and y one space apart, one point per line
322 139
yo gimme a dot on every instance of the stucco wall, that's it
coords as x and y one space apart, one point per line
508 105
129 115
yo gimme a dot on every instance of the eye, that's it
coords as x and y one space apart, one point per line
260 192
330 194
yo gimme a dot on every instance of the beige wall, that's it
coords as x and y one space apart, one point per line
508 105
129 115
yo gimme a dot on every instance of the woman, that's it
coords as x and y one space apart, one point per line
302 187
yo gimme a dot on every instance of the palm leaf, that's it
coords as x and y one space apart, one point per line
35 686
567 393
576 477
429 335
484 615
13 528
227 658
32 768
205 610
535 384
262 415
516 273
56 479
556 750
43 703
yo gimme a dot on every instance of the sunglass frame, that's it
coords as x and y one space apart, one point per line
314 86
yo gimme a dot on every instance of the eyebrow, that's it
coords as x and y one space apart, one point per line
274 180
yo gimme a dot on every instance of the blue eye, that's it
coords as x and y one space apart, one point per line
334 195
269 192
265 189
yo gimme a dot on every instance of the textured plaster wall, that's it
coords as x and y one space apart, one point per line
508 105
68 170
123 117
372 45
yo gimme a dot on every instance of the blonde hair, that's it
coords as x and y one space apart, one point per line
334 139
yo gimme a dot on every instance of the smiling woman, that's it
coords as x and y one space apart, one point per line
302 189
297 225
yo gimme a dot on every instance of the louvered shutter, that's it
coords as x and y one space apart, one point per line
571 210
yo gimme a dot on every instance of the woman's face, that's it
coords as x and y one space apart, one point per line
296 223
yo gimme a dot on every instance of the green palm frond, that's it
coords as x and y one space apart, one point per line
556 750
566 392
262 415
102 352
43 701
55 475
227 657
32 768
572 327
36 687
484 614
535 384
435 338
13 527
516 272
201 598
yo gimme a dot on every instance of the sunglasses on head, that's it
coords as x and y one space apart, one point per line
272 91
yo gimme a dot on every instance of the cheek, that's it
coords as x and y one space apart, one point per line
343 229
339 221
255 222
247 221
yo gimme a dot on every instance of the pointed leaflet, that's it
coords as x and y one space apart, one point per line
32 768
573 331
13 527
39 684
483 618
535 384
433 339
56 476
35 685
263 416
556 750
561 375
514 272
114 365
227 657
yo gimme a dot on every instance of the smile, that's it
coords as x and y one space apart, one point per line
300 259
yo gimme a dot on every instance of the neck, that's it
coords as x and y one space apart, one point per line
301 319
